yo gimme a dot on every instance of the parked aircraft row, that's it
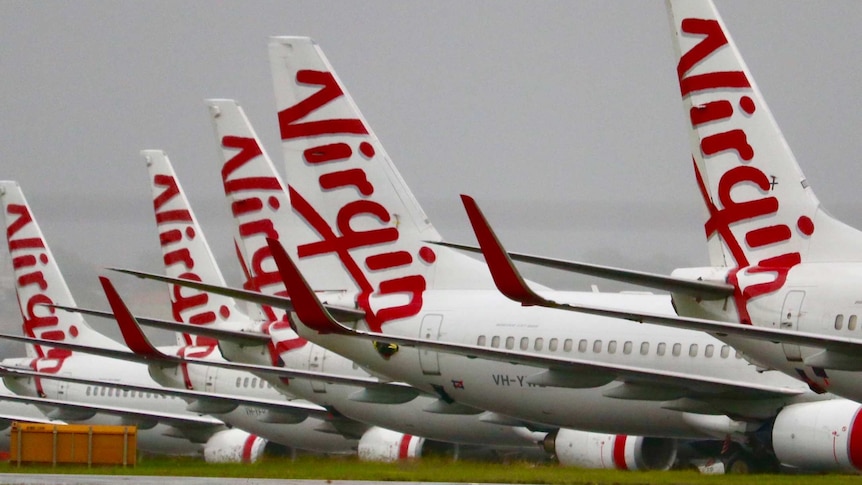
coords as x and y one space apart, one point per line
363 330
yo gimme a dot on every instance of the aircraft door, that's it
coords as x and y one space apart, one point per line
211 379
316 359
430 330
789 319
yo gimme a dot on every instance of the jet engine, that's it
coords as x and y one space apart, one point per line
824 435
596 450
233 446
378 444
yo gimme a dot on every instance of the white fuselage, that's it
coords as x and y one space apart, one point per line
488 319
409 417
310 434
152 437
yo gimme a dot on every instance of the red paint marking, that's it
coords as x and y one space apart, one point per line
330 90
713 39
404 447
854 442
806 225
620 452
248 447
388 260
328 153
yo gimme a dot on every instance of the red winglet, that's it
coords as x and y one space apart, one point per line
132 334
503 271
305 303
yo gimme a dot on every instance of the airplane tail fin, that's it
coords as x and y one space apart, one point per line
761 210
357 217
186 254
260 206
38 282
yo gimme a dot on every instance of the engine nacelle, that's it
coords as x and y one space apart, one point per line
233 446
824 435
596 450
378 444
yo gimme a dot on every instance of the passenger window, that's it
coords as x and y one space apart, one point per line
103 391
644 348
661 348
612 347
567 345
737 354
582 345
851 322
839 321
627 347
725 351
88 390
709 350
525 343
510 343
253 382
481 341
552 344
692 350
495 341
597 347
540 342
238 381
677 349
245 382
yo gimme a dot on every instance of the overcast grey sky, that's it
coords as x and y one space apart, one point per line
562 118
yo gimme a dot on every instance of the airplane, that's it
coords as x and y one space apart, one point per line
361 236
791 267
165 425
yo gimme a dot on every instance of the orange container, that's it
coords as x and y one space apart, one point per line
73 443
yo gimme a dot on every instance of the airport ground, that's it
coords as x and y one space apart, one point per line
333 470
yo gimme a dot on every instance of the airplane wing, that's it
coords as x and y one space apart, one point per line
203 402
344 314
559 372
250 339
143 419
6 419
838 352
706 290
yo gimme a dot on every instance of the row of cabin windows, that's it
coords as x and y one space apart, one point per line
115 392
252 382
597 346
852 322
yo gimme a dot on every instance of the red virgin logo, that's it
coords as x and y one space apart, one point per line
728 112
342 163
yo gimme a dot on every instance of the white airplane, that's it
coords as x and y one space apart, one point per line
361 237
791 267
165 425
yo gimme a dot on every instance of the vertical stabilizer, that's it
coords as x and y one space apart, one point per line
259 203
186 253
358 217
38 282
762 213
